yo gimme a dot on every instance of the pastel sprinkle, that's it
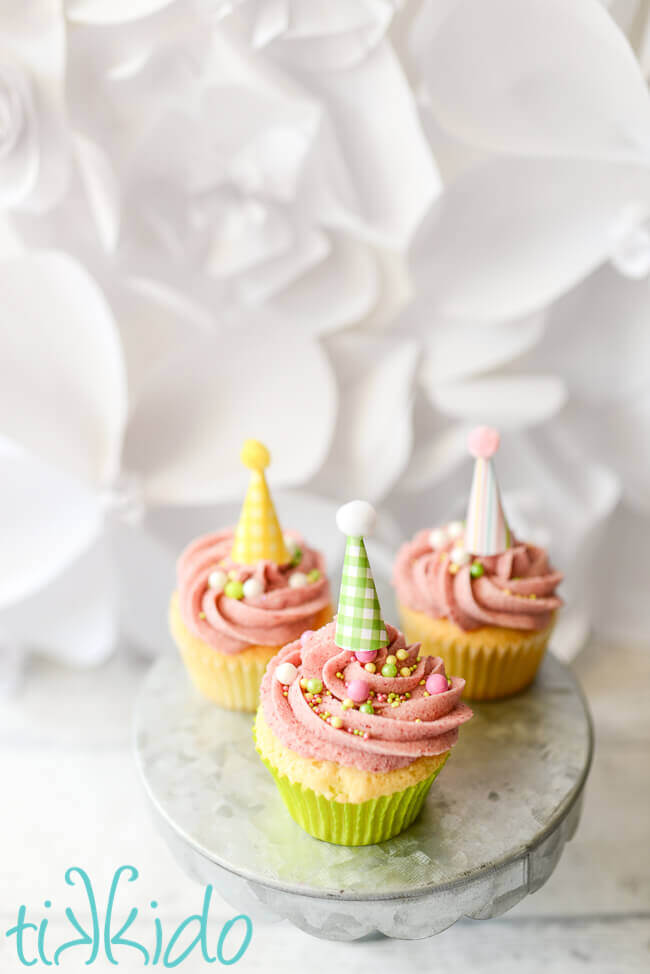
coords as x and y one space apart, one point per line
314 685
405 671
234 590
453 568
347 703
402 654
370 668
337 722
313 575
389 670
201 615
367 708
391 659
477 570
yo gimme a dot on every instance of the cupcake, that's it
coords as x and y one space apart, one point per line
353 724
474 594
243 594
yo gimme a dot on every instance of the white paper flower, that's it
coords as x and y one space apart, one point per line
33 137
96 436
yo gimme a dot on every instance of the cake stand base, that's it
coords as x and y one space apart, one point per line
492 829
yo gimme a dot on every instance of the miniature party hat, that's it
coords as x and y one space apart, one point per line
258 535
359 624
486 528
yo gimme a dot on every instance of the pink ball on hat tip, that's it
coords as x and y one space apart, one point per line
483 442
436 683
358 690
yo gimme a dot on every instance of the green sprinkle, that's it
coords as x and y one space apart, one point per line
395 703
337 722
477 570
296 557
201 615
313 575
234 590
314 685
367 708
389 670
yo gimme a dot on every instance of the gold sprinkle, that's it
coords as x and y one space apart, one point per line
453 569
532 596
201 615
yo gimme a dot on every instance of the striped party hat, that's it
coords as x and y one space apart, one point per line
486 528
359 623
258 535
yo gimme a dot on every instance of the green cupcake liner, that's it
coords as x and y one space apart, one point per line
349 823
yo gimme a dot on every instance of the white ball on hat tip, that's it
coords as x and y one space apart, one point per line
356 518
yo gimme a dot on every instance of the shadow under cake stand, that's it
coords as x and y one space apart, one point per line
492 829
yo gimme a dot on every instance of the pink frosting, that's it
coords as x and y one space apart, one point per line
230 625
391 737
516 590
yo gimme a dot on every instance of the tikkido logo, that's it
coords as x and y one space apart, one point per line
105 935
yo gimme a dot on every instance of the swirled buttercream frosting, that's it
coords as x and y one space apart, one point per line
276 614
514 589
334 709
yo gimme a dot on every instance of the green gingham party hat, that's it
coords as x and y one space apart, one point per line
359 623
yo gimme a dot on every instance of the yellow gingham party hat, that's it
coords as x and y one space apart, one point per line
258 535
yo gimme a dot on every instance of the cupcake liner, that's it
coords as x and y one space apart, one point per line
349 823
231 680
506 663
232 683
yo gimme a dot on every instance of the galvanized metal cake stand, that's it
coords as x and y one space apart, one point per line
492 829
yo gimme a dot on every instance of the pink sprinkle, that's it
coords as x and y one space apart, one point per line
358 690
366 655
436 683
483 442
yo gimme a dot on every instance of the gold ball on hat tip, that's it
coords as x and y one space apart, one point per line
254 455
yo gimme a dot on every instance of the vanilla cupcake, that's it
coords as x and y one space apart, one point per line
353 723
244 593
475 595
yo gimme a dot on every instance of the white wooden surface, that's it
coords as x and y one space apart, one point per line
70 796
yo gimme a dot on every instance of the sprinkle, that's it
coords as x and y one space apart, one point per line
367 708
347 703
405 671
402 654
201 615
391 659
453 569
395 703
426 693
370 668
389 670
477 570
314 685
532 596
303 683
507 591
340 676
313 575
234 590
309 696
422 682
337 722
417 720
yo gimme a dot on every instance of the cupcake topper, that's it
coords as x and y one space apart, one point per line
258 535
359 624
486 528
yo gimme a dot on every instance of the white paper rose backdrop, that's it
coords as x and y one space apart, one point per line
352 229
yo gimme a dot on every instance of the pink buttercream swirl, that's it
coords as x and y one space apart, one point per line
516 589
274 618
391 737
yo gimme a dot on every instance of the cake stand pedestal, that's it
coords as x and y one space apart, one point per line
492 829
